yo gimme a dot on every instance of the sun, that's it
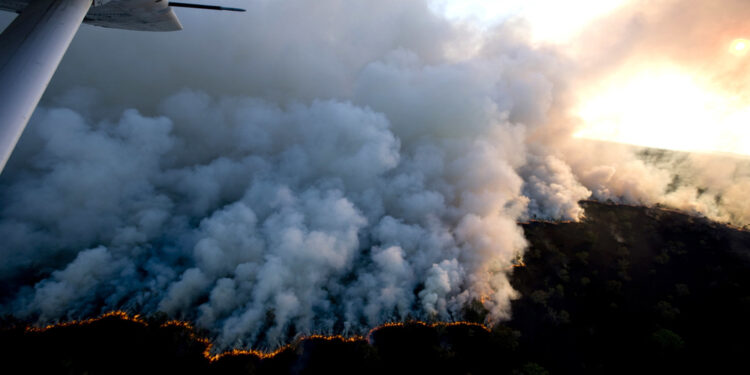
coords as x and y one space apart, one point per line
740 47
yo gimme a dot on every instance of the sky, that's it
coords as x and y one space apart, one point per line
324 167
634 105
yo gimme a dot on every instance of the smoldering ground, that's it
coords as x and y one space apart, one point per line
302 168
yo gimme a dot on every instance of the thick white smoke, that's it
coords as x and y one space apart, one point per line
312 167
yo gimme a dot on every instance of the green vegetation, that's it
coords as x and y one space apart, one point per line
646 290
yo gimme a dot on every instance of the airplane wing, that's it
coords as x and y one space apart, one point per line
141 15
33 45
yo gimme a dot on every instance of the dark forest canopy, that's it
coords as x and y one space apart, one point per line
627 290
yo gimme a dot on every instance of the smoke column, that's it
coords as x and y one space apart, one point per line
305 168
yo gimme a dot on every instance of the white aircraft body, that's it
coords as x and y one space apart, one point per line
32 46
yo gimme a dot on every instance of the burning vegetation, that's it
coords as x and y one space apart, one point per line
628 289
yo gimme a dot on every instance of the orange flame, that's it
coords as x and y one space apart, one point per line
116 314
239 352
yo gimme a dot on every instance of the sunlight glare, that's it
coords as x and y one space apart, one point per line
666 109
740 47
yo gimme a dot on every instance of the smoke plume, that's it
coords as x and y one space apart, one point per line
308 167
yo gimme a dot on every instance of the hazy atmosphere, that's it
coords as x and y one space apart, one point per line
329 166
